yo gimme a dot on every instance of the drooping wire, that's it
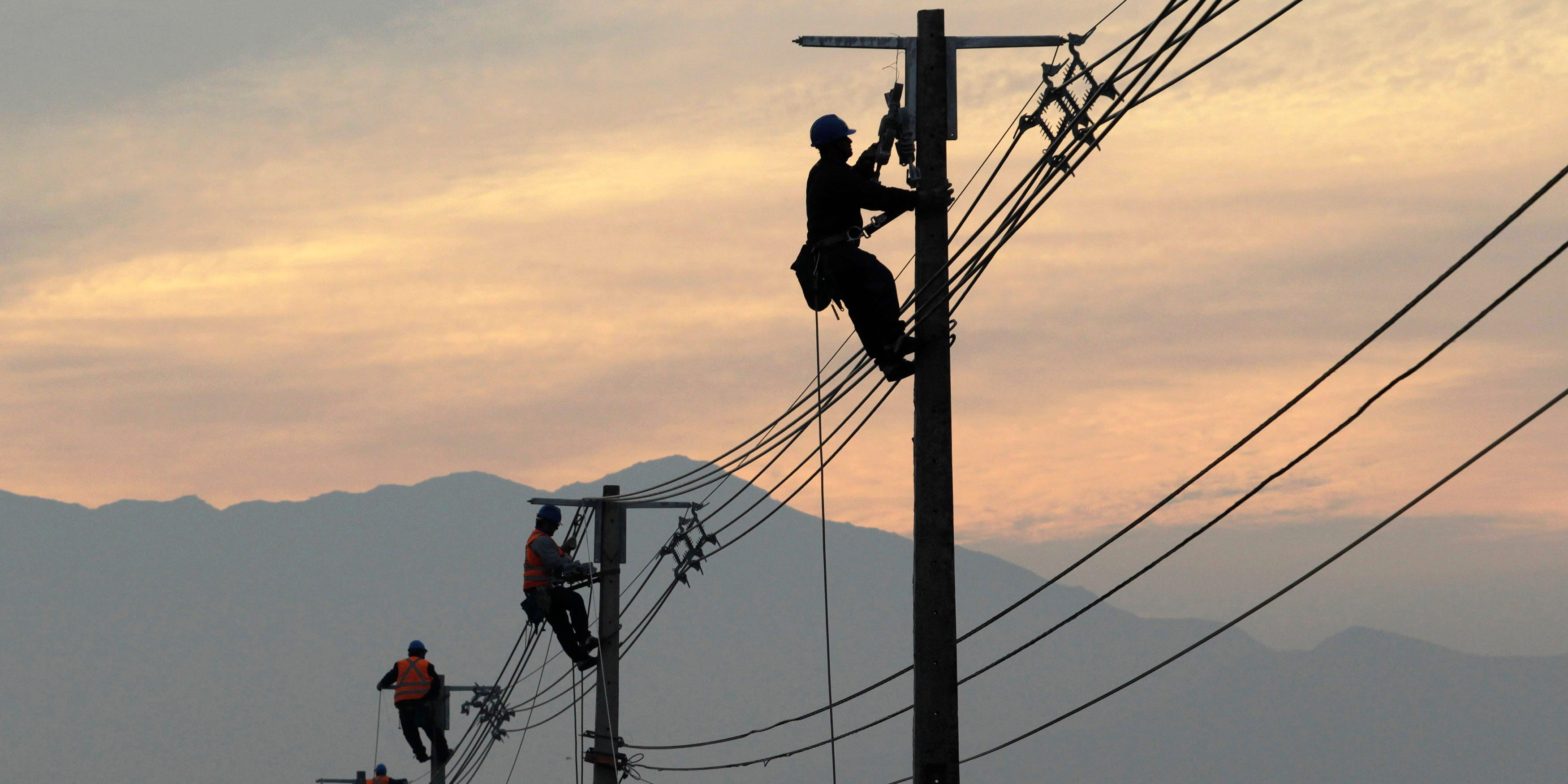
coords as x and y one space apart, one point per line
1180 489
523 736
1113 10
1292 585
661 602
1289 404
1101 598
376 756
822 514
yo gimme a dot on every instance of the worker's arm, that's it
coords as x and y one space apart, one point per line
866 164
868 194
388 679
437 683
550 553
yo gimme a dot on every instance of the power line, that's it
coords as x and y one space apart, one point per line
1037 168
1009 226
1292 585
1500 299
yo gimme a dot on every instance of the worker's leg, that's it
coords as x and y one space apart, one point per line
871 296
432 728
561 622
882 299
575 610
408 719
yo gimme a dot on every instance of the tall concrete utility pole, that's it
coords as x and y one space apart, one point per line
609 552
931 80
935 716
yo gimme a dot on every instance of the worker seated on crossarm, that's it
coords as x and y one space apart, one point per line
418 687
545 568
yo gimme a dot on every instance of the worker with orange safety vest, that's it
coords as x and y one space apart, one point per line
381 777
544 566
417 687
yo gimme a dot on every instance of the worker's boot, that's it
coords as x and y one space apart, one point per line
420 755
897 368
590 643
904 345
587 663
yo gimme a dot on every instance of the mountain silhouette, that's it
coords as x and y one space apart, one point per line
176 640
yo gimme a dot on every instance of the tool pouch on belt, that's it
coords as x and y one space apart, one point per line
815 282
536 605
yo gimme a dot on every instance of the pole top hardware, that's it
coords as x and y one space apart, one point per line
595 501
954 43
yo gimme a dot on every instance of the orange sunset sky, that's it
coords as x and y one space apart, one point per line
269 259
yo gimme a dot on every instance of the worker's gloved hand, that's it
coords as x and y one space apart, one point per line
941 197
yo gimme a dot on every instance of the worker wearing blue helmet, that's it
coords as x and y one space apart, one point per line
417 688
546 568
381 777
836 192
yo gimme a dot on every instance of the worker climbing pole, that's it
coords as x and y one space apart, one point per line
547 584
932 78
831 266
609 552
417 687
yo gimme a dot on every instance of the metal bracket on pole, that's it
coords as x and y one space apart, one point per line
908 45
492 712
688 551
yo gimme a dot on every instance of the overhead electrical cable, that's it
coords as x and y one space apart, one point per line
1292 585
1227 453
1011 225
1188 483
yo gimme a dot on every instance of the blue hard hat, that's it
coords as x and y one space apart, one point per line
417 646
381 770
549 513
829 128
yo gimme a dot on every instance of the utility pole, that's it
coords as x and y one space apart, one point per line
935 612
931 81
610 549
609 552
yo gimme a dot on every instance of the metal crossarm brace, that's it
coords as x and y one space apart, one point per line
954 43
1075 115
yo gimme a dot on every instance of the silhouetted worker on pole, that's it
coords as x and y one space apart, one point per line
835 194
418 686
545 566
381 777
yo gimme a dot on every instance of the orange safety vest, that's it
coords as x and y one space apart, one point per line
380 780
535 573
413 679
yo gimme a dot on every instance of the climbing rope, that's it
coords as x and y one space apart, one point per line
822 515
523 737
376 757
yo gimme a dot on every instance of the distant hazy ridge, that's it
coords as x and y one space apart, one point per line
174 641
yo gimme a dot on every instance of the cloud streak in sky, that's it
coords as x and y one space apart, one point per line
551 242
